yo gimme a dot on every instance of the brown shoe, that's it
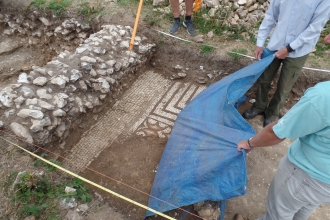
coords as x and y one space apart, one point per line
238 217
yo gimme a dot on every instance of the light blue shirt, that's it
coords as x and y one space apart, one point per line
309 123
300 23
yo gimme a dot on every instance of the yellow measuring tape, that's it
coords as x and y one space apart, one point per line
90 182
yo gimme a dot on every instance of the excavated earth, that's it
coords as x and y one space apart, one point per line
125 137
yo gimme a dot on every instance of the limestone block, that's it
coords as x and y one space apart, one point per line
110 63
45 21
242 2
25 113
59 113
83 85
212 3
45 105
60 100
40 81
21 131
22 78
7 95
86 66
59 81
117 66
145 48
60 129
18 101
75 75
124 44
38 125
33 101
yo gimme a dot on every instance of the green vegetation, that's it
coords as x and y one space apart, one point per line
237 50
125 3
9 181
85 9
58 7
38 195
206 25
206 49
38 3
160 42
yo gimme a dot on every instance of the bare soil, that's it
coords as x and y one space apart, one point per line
131 162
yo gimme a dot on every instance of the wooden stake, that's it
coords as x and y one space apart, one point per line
131 45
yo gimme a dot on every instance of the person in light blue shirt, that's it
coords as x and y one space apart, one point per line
298 24
302 180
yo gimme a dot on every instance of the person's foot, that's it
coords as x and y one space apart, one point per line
190 27
269 120
175 27
249 114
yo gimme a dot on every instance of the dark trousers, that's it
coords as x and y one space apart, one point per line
291 69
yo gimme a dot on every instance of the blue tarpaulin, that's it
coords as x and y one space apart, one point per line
200 161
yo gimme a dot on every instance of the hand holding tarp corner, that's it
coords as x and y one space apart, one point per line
244 144
258 52
282 53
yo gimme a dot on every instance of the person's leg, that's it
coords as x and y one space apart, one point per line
314 191
293 194
187 23
305 212
175 8
189 7
290 72
280 204
176 14
263 86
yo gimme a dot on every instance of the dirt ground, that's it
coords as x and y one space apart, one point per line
132 161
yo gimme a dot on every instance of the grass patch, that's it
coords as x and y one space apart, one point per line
153 18
9 181
85 9
205 26
39 195
237 50
59 8
206 49
124 3
38 3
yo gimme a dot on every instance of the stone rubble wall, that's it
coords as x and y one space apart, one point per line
45 102
235 12
34 28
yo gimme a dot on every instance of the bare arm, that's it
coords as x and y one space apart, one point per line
327 39
264 138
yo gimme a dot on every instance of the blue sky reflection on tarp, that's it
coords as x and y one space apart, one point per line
201 161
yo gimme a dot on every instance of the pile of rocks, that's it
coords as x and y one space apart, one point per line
235 12
43 104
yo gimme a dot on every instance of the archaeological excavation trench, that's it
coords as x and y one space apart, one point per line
77 90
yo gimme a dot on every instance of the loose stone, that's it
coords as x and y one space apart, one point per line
22 78
88 59
45 105
42 93
25 113
21 131
40 81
